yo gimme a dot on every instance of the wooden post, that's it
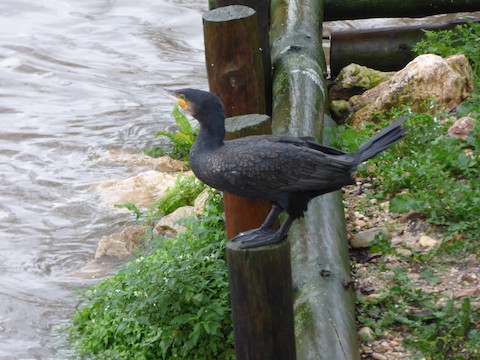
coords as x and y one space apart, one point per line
385 49
235 73
324 308
362 9
262 301
262 8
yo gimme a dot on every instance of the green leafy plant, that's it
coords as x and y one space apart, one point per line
184 192
182 140
171 304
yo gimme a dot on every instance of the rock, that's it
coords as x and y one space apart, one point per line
359 223
361 76
200 202
427 243
461 128
363 239
365 334
378 356
168 225
98 268
448 81
120 245
339 108
162 163
469 278
469 292
142 189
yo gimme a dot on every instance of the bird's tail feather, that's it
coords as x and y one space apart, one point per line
384 139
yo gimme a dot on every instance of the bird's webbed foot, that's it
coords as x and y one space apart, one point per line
258 237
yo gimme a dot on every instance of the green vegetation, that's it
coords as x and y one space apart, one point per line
171 304
422 169
437 177
182 140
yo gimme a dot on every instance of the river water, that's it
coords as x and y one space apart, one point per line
75 81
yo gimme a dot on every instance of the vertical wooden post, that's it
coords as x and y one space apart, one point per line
262 8
235 73
260 278
262 301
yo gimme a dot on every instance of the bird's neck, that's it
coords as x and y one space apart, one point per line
212 132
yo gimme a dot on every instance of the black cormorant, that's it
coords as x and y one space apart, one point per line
287 171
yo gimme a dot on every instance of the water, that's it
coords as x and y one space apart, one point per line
75 81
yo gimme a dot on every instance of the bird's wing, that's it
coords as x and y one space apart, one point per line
279 164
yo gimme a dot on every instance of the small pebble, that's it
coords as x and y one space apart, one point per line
426 242
378 356
365 334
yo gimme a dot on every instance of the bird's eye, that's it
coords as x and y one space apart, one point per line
181 96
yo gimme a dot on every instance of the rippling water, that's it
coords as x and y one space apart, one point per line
75 80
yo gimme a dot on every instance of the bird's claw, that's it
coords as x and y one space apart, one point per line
257 237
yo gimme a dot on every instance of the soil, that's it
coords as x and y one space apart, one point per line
409 234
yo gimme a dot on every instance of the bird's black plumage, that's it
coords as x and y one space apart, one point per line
288 171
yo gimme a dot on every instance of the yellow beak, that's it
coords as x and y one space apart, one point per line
177 97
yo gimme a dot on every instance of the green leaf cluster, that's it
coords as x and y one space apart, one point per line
181 141
171 304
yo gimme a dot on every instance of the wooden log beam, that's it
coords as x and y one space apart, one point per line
262 301
235 73
325 326
385 49
362 9
262 8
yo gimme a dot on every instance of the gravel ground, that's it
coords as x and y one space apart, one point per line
457 276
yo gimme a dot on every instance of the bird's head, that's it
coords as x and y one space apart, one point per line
196 103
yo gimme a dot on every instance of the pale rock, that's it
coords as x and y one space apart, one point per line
142 189
360 223
168 225
426 242
162 163
120 244
461 128
363 239
200 202
448 81
378 356
366 334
